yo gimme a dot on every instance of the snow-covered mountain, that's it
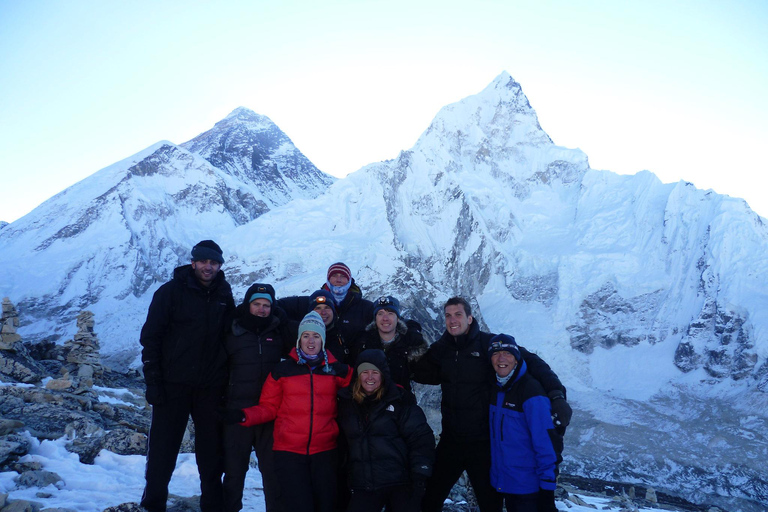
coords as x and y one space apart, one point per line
648 299
106 242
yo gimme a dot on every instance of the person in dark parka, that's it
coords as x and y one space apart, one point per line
402 342
391 447
257 340
458 362
185 374
300 396
352 312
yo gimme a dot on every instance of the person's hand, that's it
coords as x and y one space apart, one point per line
418 486
231 416
545 501
155 393
413 324
561 411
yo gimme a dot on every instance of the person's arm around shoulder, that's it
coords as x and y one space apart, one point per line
344 376
427 369
288 328
541 371
295 306
415 343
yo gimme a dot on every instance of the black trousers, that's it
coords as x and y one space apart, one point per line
309 480
521 502
452 458
169 422
400 498
238 441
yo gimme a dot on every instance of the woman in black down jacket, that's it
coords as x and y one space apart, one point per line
391 447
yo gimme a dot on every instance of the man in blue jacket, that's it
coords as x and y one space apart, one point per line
523 438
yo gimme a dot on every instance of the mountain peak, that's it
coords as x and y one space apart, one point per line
245 114
497 117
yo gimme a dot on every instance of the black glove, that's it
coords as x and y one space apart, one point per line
545 501
561 411
155 394
413 324
231 416
418 486
153 378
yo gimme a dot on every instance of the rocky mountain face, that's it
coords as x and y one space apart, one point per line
648 299
253 150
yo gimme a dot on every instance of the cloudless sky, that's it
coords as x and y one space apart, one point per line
678 88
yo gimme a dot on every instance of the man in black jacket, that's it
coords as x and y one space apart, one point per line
401 341
185 374
458 362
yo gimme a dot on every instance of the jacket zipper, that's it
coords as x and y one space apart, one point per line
311 406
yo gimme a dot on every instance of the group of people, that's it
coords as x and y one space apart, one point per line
319 387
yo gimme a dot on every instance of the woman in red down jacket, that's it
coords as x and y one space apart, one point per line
300 395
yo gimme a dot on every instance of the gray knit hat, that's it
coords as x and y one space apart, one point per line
312 322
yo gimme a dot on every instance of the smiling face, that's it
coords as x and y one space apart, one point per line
386 323
206 270
503 363
260 307
370 381
457 321
311 343
326 313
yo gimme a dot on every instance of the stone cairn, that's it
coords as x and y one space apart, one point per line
15 362
83 362
10 324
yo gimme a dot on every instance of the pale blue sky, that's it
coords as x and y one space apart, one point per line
678 88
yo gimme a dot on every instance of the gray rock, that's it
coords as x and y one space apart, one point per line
21 467
40 478
125 442
9 426
126 507
12 447
22 506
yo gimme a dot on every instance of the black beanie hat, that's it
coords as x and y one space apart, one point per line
259 291
373 357
207 250
322 297
505 343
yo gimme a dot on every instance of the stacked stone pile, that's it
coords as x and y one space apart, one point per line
10 323
16 365
82 361
67 406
